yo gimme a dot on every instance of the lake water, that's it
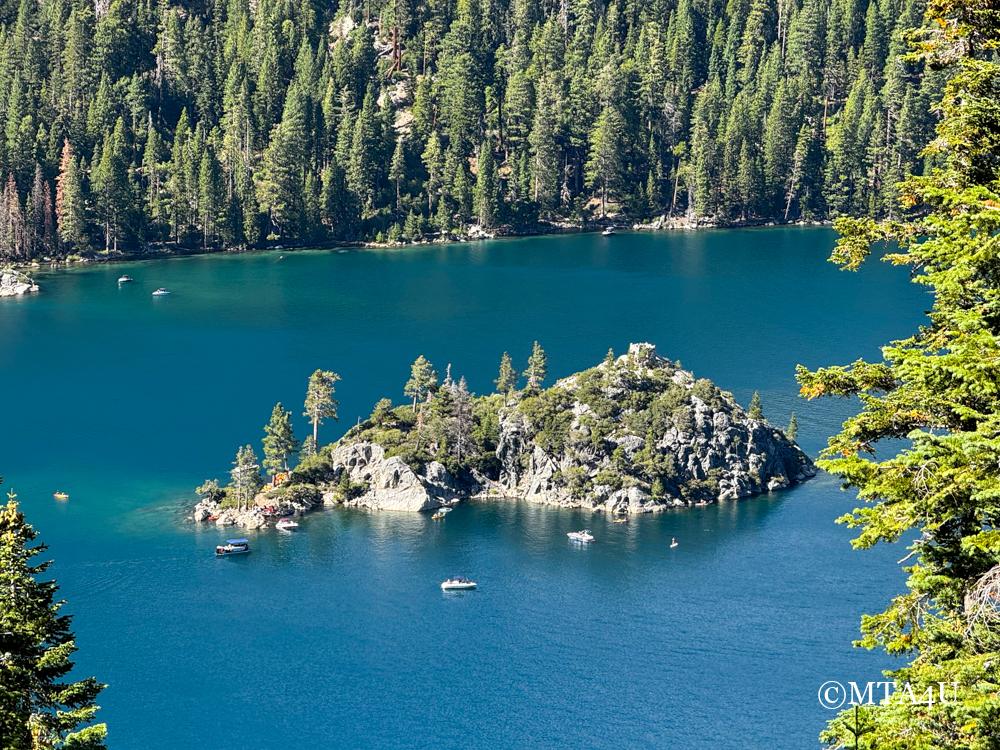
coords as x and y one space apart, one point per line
338 636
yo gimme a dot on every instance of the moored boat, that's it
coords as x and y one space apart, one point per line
438 515
583 535
609 230
124 279
457 583
620 519
286 524
233 547
161 292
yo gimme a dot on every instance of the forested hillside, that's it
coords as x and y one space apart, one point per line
235 122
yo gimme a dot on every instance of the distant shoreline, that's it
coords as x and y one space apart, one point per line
166 251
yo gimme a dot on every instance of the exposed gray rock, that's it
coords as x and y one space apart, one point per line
390 483
14 284
720 451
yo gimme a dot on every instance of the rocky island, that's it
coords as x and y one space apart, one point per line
634 434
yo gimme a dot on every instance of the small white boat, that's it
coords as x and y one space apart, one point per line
583 535
437 516
609 230
233 547
673 542
445 509
124 279
286 524
161 292
457 583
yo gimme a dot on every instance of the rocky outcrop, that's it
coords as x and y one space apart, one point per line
709 449
388 483
269 504
14 284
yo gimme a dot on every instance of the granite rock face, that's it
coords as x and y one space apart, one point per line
709 447
390 483
14 284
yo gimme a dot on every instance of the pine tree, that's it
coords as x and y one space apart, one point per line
792 431
397 169
936 389
485 194
210 198
362 169
605 166
279 440
755 411
70 206
422 380
112 188
245 475
38 707
537 367
320 403
282 182
507 377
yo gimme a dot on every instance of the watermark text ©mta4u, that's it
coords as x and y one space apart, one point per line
835 695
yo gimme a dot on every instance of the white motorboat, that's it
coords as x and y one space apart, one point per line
457 583
161 292
673 542
583 535
124 279
608 231
286 524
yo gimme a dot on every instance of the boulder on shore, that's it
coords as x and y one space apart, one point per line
15 283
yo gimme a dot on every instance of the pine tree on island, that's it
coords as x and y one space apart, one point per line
320 403
279 441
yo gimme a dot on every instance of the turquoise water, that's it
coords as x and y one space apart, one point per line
338 636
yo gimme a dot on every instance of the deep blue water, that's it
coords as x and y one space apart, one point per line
338 636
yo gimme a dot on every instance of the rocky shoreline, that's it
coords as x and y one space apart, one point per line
635 434
14 283
663 223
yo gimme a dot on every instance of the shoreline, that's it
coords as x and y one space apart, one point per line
167 252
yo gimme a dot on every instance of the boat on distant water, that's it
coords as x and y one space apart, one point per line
673 542
457 583
161 292
124 279
439 515
233 547
609 230
286 524
60 495
583 535
620 519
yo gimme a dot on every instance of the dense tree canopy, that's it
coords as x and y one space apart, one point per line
940 391
230 122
